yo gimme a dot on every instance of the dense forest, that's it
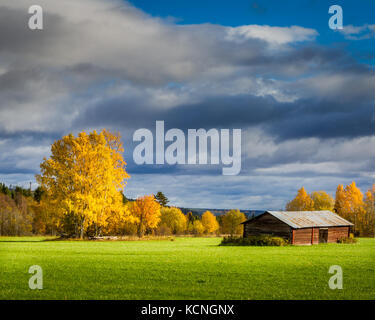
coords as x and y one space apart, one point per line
26 212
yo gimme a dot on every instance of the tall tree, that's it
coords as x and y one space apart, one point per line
302 202
190 217
4 189
322 200
349 204
196 227
84 176
231 222
15 216
209 222
355 207
161 198
340 200
38 193
146 211
174 219
368 223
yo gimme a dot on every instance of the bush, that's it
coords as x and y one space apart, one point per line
349 239
262 240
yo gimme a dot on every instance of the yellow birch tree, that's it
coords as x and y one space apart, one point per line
83 178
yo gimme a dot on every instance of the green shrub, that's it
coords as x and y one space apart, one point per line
262 240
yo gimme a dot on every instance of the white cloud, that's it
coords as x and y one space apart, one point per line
365 31
272 35
297 167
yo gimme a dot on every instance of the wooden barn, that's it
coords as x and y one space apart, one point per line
299 227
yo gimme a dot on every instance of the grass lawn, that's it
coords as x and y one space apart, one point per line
187 268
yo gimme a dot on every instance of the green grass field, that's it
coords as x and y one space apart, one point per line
187 268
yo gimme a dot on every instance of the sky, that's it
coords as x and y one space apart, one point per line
302 94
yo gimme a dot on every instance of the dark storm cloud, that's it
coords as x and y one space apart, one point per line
218 112
32 136
17 39
327 124
7 168
303 118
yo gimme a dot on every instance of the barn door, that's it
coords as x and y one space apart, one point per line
323 235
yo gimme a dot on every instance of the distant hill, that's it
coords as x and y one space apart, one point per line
218 212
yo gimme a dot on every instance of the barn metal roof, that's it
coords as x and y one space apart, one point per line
308 219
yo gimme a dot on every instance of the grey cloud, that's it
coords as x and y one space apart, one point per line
322 118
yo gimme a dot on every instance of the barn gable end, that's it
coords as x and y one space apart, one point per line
267 224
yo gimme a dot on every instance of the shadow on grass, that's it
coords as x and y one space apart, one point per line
28 240
23 241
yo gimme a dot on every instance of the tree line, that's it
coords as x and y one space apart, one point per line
26 212
348 203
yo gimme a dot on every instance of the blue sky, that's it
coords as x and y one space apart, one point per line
302 94
307 13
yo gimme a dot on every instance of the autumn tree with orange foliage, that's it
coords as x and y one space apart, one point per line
146 211
83 177
209 222
302 202
349 204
